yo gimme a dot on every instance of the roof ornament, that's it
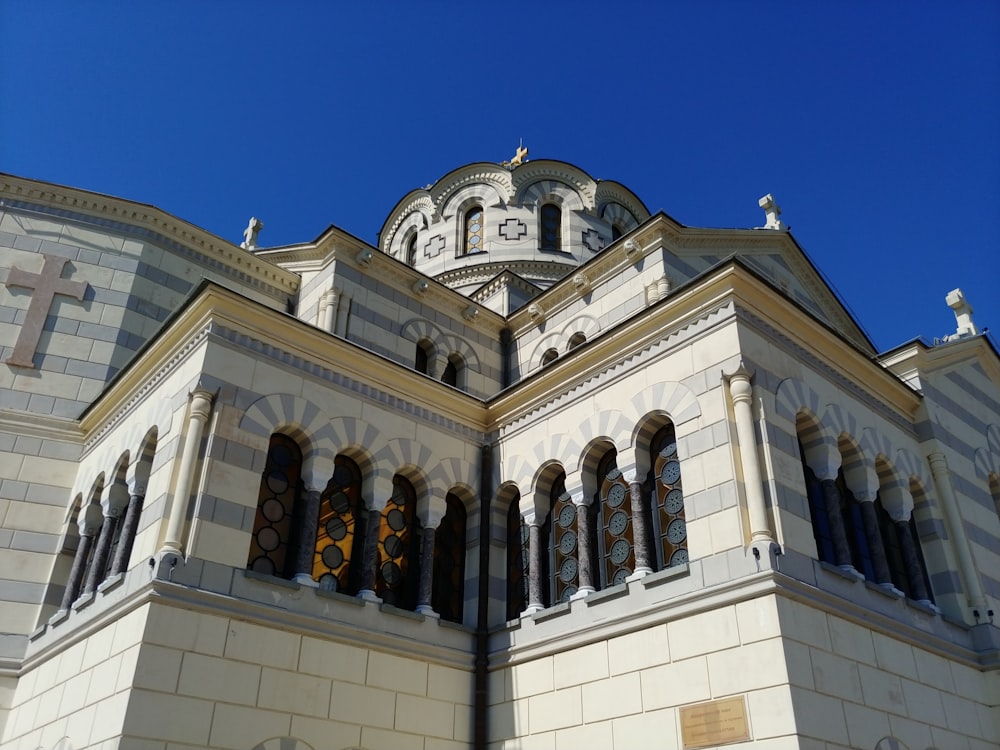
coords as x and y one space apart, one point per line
520 156
773 213
963 316
251 232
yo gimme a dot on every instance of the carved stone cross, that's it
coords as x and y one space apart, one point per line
46 285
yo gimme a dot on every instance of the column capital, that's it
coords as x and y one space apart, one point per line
116 500
201 403
91 519
579 498
740 386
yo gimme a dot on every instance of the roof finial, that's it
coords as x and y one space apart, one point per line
250 233
963 315
520 156
773 213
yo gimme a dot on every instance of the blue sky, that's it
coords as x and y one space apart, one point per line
876 125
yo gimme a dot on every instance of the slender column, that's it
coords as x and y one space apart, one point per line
640 530
742 395
305 546
536 597
831 504
426 591
330 313
113 508
956 527
914 572
370 555
585 557
130 526
88 531
876 546
201 407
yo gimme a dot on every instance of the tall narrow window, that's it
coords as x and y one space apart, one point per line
473 231
517 560
338 541
448 592
817 514
411 251
272 527
670 527
564 550
422 357
616 232
452 371
854 525
551 227
398 548
617 550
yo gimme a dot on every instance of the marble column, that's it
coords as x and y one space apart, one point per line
742 396
956 528
536 548
88 532
330 299
130 526
307 520
369 555
425 592
911 561
835 520
873 533
585 557
640 530
113 506
201 408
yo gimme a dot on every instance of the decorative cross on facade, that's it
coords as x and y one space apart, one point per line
513 229
434 246
593 241
46 285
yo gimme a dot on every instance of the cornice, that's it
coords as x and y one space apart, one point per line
146 222
943 357
40 426
485 272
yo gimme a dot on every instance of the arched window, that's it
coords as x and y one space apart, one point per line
453 371
411 250
854 526
517 560
817 513
422 357
398 549
551 235
474 231
551 355
338 535
564 545
272 526
448 592
577 339
616 539
669 525
616 232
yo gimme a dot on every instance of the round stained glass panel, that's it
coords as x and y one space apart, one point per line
616 495
395 519
332 556
567 515
263 565
677 531
342 476
273 510
567 571
618 522
391 573
620 551
674 502
393 545
670 472
679 557
327 582
339 503
567 542
336 529
277 482
268 539
619 577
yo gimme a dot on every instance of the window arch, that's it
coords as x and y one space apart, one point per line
616 537
517 559
474 231
577 339
551 227
422 356
398 571
669 524
616 232
448 590
339 537
272 527
454 371
551 355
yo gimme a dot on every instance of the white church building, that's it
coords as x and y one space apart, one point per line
541 470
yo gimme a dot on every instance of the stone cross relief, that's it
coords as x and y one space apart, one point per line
46 285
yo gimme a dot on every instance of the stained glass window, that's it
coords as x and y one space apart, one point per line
448 592
517 560
617 541
338 541
668 516
272 527
398 549
817 514
551 227
474 230
564 549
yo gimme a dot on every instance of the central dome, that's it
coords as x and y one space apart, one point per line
531 224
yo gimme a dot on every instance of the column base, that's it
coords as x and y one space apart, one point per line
582 593
532 609
369 596
428 611
850 571
639 573
304 579
892 590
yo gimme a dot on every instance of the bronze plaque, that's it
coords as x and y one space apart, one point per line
715 723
